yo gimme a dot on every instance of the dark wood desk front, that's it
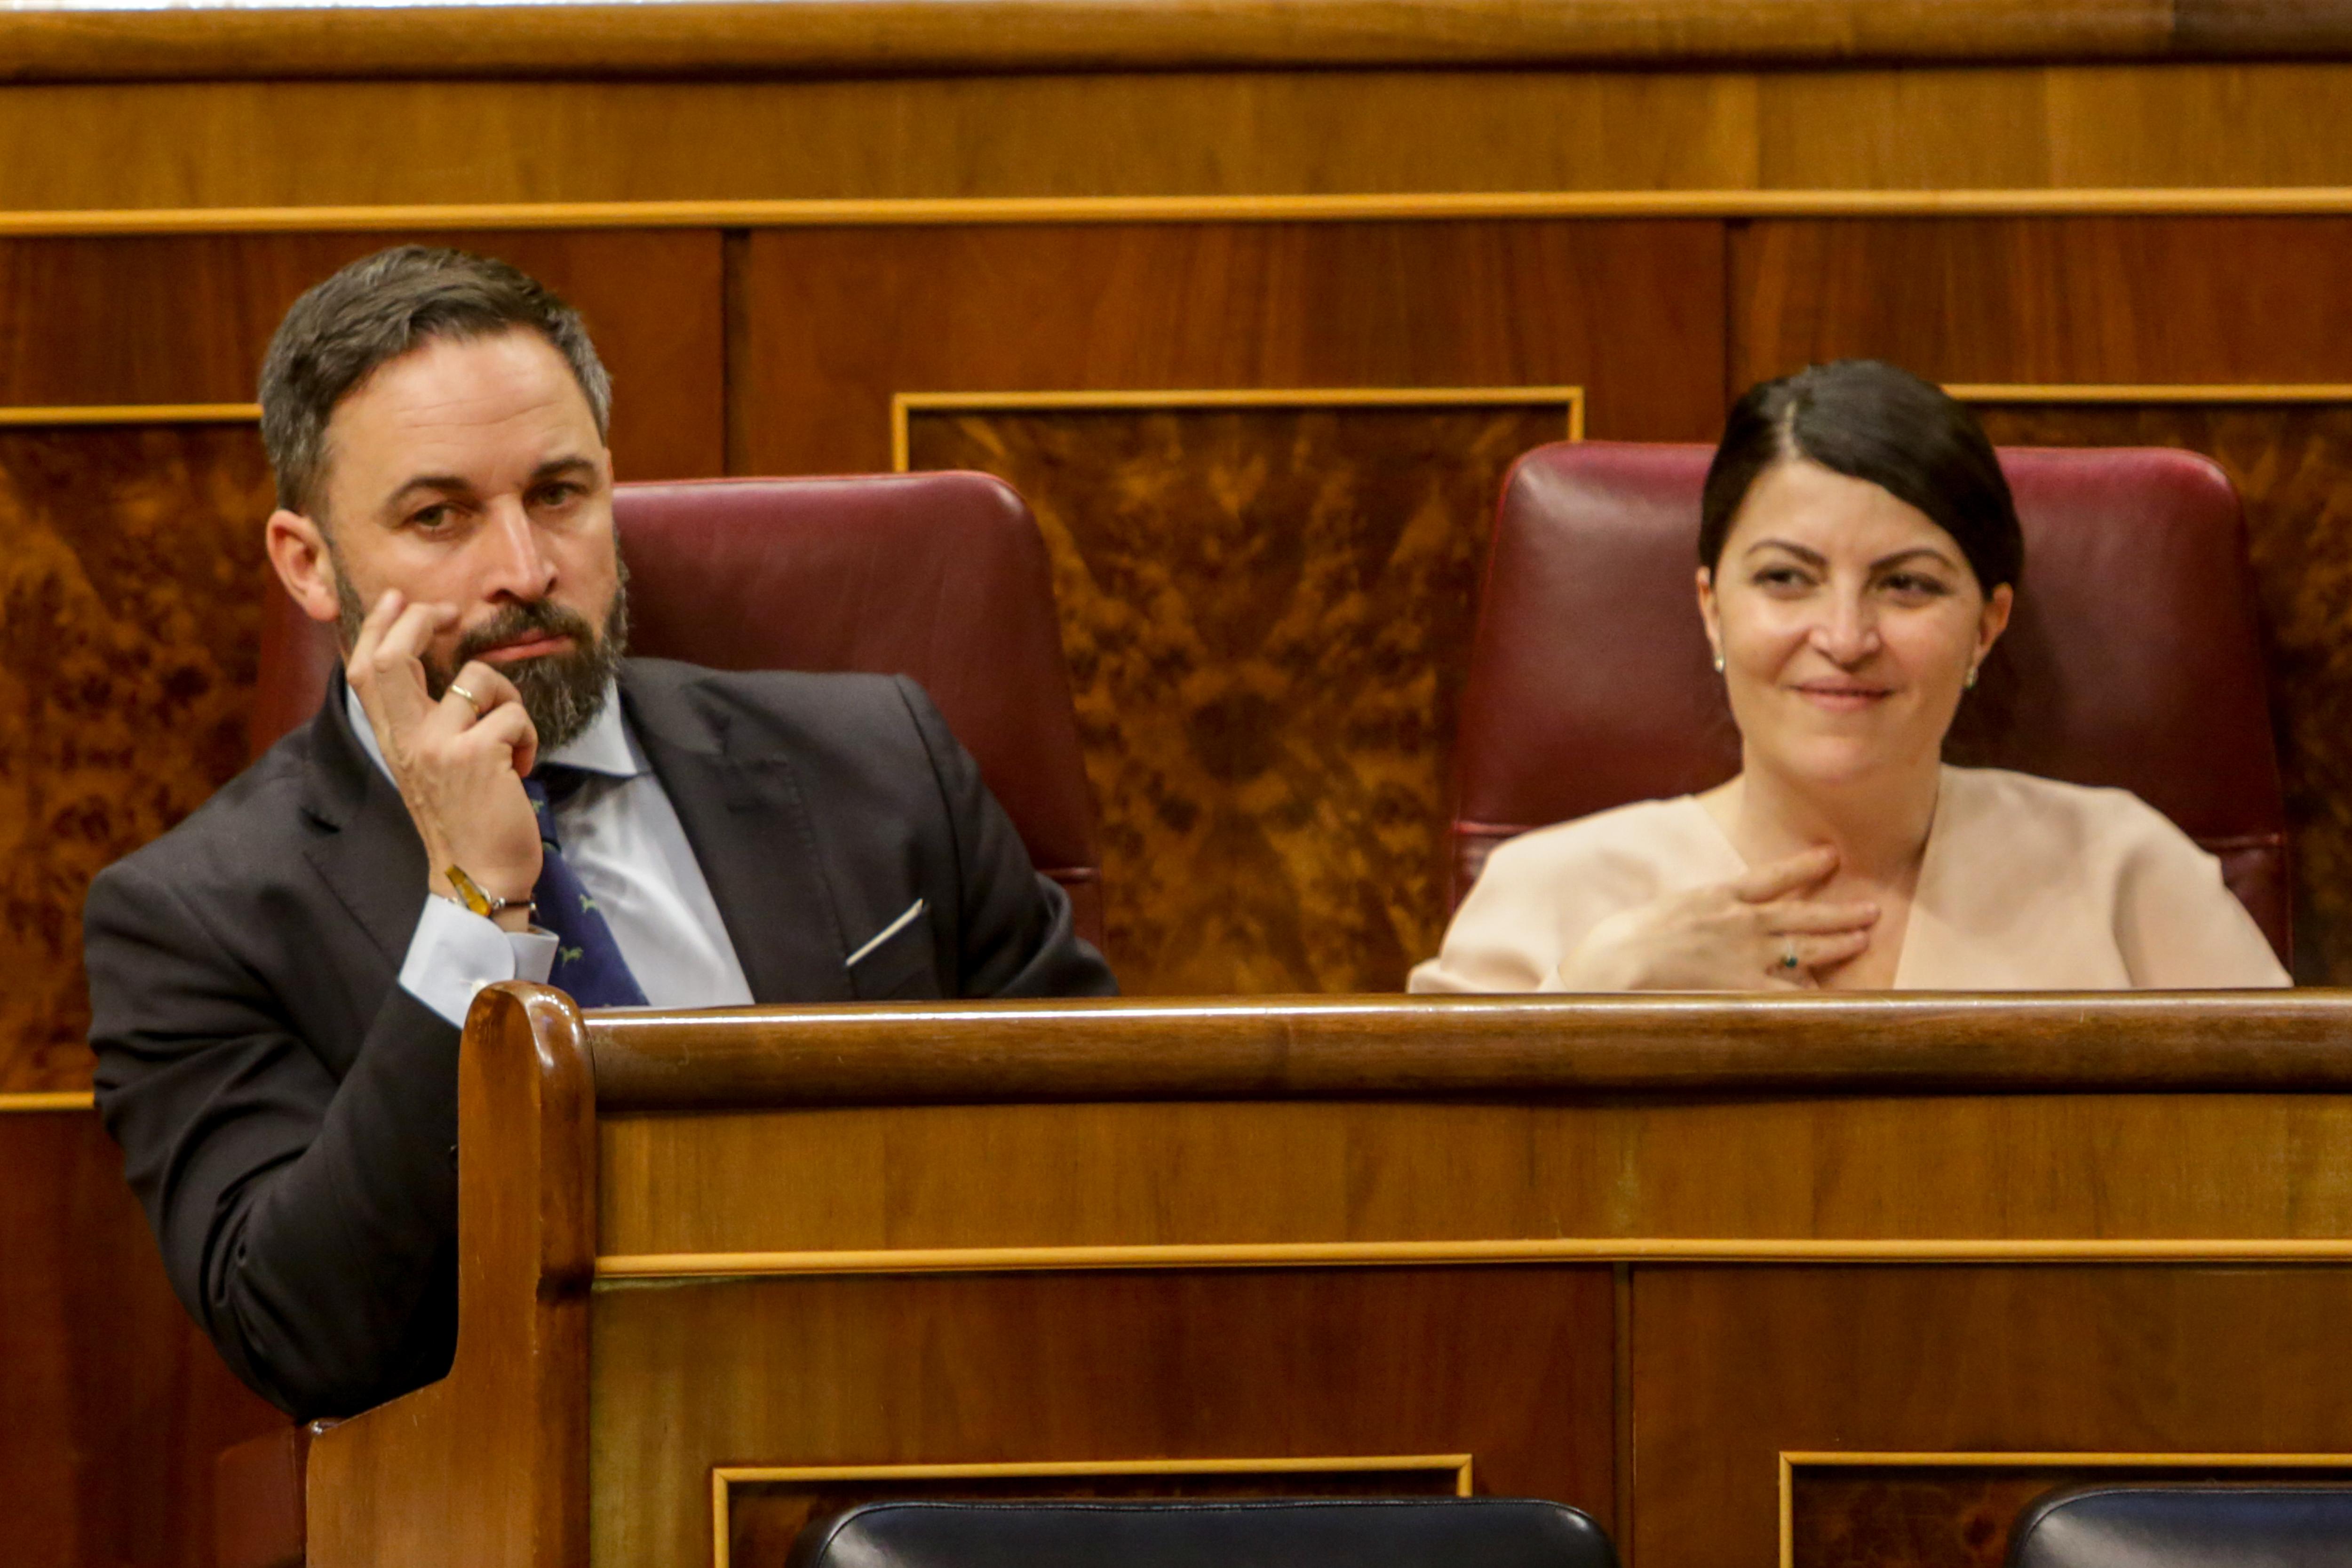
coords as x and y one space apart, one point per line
1833 1281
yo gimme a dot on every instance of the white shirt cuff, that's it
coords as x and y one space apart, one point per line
456 952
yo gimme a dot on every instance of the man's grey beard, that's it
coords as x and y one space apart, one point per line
562 693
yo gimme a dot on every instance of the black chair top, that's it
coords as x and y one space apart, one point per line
2187 1524
1208 1532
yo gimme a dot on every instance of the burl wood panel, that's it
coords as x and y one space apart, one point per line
834 322
1268 614
1511 1366
2292 465
131 583
2024 1165
764 1516
1954 1516
1734 1366
111 1404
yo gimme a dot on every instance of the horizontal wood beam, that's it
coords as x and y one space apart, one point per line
1421 1048
60 42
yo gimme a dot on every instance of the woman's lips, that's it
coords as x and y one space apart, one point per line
1839 698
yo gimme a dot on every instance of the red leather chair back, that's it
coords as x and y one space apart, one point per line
2134 657
940 576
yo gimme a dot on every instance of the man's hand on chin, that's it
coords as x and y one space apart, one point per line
459 762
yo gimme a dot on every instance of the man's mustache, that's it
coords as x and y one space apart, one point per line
520 623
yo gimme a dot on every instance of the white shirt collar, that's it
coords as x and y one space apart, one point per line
603 747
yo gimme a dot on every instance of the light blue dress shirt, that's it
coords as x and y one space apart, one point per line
623 837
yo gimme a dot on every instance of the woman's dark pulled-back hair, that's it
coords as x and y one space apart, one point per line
1871 421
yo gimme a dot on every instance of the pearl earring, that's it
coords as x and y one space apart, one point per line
1970 683
1719 667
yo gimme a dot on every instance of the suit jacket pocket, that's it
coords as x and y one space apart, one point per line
897 963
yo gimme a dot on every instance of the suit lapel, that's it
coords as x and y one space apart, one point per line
736 797
365 847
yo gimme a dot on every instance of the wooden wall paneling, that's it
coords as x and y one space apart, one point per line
133 576
866 1180
185 318
1005 36
1253 641
1734 1367
112 1404
1511 1367
2103 301
131 583
838 321
2288 460
1266 613
231 144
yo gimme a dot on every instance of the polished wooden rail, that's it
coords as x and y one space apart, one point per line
1471 1047
743 38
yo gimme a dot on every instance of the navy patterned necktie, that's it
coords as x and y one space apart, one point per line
588 961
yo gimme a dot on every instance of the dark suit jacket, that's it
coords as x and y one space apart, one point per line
288 1113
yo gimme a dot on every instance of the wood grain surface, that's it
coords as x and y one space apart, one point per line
2105 300
131 584
1732 1367
113 1402
1510 1367
489 1465
1466 1046
234 144
833 322
1266 614
852 37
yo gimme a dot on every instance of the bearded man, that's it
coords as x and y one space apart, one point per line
490 791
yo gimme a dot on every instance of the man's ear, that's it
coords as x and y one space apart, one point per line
298 549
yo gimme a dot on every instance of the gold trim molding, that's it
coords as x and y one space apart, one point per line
2123 392
33 416
1368 207
1792 1461
905 404
59 1099
617 1269
724 1477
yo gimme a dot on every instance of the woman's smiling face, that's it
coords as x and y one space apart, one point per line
1848 623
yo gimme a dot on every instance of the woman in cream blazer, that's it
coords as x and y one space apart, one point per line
1859 554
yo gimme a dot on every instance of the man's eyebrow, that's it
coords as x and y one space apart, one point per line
443 484
556 467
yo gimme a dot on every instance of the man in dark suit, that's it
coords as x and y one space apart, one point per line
490 791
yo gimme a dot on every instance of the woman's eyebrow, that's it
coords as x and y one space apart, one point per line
1810 557
1930 552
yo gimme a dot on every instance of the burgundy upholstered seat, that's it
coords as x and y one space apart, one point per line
2134 658
940 576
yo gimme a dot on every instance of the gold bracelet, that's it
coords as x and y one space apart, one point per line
470 894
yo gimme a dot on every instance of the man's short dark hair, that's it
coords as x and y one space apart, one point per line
378 309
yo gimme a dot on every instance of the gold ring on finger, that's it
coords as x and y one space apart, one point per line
471 700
